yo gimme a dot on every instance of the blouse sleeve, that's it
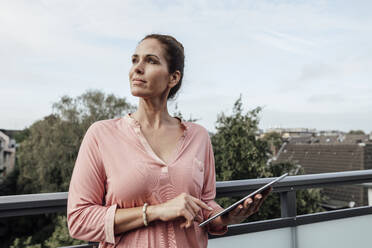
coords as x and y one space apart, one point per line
209 191
87 218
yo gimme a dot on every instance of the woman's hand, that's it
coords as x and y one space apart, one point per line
184 206
243 211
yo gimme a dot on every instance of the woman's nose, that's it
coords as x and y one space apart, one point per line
138 68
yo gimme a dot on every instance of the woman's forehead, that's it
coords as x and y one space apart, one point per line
149 46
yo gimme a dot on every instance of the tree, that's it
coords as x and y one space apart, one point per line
21 135
356 132
60 237
239 154
274 141
46 157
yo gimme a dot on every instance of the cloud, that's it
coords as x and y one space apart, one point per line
316 71
326 98
285 42
51 48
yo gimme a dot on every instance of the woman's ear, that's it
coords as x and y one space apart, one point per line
174 79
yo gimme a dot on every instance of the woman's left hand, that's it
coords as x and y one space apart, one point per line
243 211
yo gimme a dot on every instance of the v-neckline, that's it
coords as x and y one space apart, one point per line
174 153
148 147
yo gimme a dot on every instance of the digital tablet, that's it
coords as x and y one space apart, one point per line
231 207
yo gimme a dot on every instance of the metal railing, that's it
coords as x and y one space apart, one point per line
21 205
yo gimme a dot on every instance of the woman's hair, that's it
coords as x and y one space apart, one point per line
174 55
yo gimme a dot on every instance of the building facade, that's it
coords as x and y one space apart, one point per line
7 155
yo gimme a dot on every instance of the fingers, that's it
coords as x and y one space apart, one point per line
201 204
189 219
247 203
195 207
191 209
252 206
196 210
198 218
264 196
259 204
192 212
247 208
236 211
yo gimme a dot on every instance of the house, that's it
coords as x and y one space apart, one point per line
333 153
7 154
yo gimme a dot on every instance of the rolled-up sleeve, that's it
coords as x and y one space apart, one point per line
87 218
209 192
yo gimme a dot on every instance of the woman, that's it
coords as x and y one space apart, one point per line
148 179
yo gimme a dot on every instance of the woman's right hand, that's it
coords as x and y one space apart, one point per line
184 205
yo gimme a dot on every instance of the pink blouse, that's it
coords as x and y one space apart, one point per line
116 168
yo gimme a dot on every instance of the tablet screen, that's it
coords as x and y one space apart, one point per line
231 207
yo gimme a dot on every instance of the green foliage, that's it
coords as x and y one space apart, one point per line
21 135
274 141
61 236
39 227
356 132
46 157
239 154
91 106
27 242
9 184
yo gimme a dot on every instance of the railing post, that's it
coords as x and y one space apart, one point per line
288 203
288 209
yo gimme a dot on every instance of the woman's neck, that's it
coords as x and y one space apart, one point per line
152 113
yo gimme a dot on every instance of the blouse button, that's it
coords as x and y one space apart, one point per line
164 169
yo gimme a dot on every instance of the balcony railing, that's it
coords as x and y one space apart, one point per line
21 205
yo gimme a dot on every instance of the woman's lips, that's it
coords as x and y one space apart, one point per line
138 82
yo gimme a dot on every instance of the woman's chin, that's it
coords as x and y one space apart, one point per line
139 94
147 94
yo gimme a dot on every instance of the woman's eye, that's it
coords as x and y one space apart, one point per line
149 60
152 61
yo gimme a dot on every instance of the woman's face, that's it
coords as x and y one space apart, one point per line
149 76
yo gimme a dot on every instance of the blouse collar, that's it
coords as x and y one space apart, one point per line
133 122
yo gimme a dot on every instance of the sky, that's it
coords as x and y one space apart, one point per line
307 63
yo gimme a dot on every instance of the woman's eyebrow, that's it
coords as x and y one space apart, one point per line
152 55
147 55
